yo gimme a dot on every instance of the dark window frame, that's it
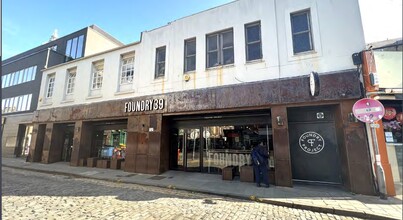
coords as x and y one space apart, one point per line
157 73
247 43
309 30
187 55
220 48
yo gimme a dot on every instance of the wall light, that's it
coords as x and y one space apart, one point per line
280 121
352 118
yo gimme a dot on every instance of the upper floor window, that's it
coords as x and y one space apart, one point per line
190 55
97 74
71 80
50 86
160 62
16 104
18 77
253 41
301 31
74 47
220 48
127 69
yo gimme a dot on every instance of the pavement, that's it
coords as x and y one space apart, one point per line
325 199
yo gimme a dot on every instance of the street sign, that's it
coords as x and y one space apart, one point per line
368 110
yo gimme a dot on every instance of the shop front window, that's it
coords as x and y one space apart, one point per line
231 145
392 125
209 149
114 144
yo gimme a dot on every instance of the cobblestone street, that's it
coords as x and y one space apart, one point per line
31 195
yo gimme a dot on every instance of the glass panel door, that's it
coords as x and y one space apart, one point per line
180 150
192 146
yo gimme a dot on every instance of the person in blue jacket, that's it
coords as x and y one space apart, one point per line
260 157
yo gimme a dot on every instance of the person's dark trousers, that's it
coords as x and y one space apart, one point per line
261 174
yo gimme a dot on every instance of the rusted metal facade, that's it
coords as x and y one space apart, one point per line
148 132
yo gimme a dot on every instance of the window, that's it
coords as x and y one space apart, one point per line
74 47
71 79
220 48
18 77
51 85
127 69
190 55
160 62
301 31
16 104
253 41
97 75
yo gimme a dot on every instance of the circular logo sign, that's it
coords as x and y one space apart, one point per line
311 142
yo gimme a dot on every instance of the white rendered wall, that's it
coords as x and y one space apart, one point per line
97 42
336 29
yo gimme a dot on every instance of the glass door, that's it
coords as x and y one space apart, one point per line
186 150
192 147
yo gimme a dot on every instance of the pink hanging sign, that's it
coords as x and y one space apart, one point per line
368 110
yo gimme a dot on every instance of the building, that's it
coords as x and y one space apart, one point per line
383 64
22 76
194 95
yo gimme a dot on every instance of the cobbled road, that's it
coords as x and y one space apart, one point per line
33 195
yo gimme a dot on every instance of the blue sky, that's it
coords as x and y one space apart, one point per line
29 23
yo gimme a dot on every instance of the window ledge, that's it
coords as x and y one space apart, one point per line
189 72
67 101
47 104
124 92
221 67
304 55
94 97
250 62
159 80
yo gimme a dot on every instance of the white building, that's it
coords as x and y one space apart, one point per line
237 74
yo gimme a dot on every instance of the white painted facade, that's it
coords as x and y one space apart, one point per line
337 34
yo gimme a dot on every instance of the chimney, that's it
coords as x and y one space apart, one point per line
54 36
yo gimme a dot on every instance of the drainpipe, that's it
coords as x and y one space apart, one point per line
47 58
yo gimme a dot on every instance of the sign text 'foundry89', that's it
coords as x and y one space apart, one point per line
145 105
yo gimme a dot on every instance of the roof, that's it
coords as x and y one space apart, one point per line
385 43
43 47
110 37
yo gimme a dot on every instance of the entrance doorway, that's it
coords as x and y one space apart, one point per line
24 136
210 143
68 143
313 145
189 148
